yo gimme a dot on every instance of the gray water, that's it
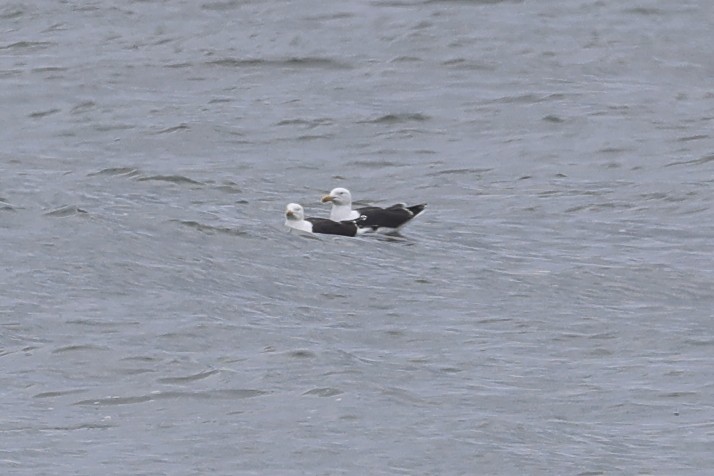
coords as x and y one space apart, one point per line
551 313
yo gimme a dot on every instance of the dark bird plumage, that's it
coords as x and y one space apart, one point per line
295 219
388 219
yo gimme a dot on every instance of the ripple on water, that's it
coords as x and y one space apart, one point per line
397 118
120 171
292 63
324 392
177 179
220 394
210 229
189 378
66 211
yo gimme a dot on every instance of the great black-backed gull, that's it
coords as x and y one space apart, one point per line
295 218
387 220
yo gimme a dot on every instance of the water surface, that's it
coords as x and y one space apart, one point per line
551 313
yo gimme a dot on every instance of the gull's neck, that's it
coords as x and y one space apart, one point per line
343 212
302 225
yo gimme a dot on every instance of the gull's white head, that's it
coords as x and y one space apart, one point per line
294 212
338 196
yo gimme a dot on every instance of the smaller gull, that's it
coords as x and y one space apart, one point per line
385 220
295 218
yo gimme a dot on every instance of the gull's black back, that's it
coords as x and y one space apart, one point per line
329 227
390 217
